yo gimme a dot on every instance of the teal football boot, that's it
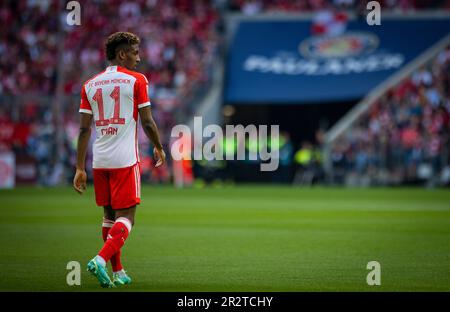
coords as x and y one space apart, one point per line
100 272
122 278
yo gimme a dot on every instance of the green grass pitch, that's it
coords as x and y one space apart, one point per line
246 238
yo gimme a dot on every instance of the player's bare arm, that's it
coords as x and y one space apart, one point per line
79 181
151 130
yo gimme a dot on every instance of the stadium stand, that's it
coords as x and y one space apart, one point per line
404 137
178 47
251 7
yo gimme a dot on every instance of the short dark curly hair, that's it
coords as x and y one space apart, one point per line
118 40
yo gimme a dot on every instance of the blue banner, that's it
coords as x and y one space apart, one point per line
282 62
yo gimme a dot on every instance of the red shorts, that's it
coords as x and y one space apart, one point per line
118 188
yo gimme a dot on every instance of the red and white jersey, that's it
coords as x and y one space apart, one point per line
114 97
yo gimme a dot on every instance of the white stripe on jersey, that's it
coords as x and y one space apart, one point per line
83 110
144 104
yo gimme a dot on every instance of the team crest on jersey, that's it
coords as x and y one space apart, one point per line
345 45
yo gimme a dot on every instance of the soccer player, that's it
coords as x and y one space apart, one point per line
113 99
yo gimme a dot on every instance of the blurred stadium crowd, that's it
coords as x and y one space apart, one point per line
179 41
251 7
166 28
405 135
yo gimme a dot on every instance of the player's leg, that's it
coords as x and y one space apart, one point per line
120 276
116 238
125 190
127 213
97 266
109 217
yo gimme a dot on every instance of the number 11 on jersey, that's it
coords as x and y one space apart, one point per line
115 120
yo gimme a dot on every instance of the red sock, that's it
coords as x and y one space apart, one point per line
115 238
115 259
